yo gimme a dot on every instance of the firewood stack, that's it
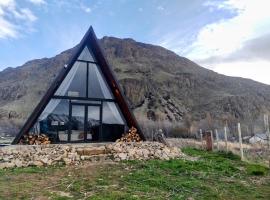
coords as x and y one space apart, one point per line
131 136
35 139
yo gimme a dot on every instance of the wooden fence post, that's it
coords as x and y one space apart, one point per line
240 141
226 139
217 138
209 141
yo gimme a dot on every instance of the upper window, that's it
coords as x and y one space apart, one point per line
78 83
97 85
74 83
86 55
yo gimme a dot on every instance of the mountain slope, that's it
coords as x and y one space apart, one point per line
159 84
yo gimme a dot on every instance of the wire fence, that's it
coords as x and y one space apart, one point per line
250 147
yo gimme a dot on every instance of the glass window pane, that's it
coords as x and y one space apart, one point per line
77 123
74 83
97 85
86 55
112 114
93 114
54 121
93 123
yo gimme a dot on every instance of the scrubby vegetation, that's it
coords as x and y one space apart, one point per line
210 176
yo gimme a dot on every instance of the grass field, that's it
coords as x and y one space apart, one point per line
211 176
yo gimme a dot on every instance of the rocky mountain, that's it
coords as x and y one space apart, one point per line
159 84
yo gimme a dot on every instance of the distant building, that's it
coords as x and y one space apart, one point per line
258 138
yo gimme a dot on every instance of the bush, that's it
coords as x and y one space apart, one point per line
257 170
179 132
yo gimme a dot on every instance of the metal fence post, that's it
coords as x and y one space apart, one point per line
217 138
266 121
201 137
226 139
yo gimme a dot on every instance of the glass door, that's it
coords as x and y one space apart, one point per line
85 122
93 129
77 123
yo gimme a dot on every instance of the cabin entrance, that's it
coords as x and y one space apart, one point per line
85 122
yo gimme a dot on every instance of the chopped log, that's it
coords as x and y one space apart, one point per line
32 139
130 136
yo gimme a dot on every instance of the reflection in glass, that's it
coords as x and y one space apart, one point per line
86 55
74 83
97 86
93 123
77 122
54 121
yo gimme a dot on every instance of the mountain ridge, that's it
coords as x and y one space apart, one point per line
159 85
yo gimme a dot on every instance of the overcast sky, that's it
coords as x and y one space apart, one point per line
228 36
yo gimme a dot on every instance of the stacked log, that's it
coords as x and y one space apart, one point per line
131 136
35 139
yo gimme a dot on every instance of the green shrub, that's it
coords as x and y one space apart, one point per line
257 170
177 132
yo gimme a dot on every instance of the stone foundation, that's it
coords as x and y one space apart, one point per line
53 154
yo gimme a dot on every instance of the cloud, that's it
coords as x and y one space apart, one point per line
7 29
257 49
256 70
37 2
26 14
86 9
238 45
250 19
160 8
13 18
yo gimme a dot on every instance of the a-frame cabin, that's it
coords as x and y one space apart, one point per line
84 103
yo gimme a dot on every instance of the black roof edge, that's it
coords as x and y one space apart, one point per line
54 86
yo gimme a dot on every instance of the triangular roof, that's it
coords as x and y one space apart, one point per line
90 40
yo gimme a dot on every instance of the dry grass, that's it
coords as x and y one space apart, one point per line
252 152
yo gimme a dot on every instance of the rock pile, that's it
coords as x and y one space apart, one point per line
45 155
143 151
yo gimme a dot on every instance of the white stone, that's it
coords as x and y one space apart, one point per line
122 156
